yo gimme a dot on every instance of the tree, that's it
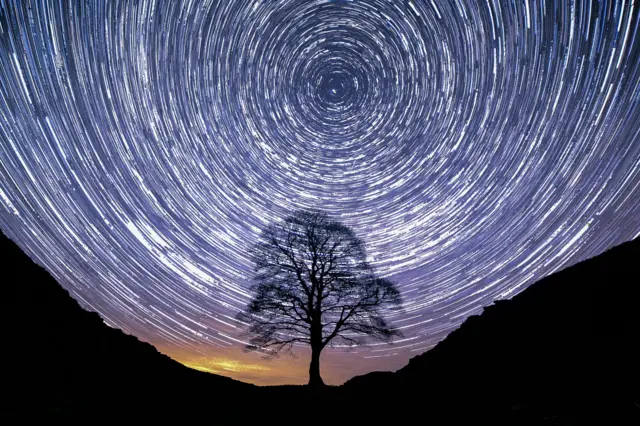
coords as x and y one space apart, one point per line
315 287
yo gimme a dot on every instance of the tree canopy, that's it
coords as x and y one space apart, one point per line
314 286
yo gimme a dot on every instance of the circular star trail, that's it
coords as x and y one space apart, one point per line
476 146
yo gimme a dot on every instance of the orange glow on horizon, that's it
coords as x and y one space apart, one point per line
336 366
220 365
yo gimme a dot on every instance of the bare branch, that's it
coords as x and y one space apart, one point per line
314 285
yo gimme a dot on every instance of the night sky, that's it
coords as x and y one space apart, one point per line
476 146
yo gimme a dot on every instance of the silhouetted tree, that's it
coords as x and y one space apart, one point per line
315 287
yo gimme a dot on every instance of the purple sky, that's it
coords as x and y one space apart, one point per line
476 146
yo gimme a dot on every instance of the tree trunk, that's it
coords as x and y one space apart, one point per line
314 368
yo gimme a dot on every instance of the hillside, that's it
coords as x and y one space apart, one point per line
60 358
567 347
564 351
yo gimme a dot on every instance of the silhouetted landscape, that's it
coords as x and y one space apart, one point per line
320 212
65 360
564 351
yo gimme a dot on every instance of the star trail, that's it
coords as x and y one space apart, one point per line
476 146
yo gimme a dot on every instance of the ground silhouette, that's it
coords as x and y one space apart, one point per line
561 352
60 359
564 351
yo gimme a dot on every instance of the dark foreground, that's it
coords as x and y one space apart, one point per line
562 352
